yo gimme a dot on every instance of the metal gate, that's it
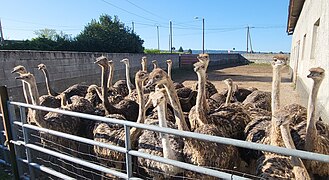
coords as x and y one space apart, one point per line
32 157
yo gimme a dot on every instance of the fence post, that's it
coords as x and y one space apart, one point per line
128 148
7 126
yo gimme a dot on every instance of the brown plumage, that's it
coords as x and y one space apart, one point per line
114 134
259 99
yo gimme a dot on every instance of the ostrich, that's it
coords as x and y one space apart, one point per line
298 166
206 153
129 84
50 90
111 73
21 70
176 84
155 64
164 145
53 121
112 134
160 77
126 107
274 166
144 63
313 135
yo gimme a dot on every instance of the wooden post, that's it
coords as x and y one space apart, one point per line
7 126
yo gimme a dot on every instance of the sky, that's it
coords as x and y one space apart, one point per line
225 21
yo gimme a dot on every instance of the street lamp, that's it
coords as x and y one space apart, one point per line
202 33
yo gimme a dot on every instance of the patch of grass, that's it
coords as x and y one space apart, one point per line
259 64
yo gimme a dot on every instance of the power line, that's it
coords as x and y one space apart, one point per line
146 10
28 22
128 11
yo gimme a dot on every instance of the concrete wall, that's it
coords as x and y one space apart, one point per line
68 68
260 57
306 39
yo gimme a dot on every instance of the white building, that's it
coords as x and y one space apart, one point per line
308 23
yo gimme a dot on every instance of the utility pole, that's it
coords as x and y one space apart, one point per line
170 36
247 38
133 25
202 35
250 42
158 38
2 41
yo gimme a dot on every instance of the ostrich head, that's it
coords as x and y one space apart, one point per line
158 97
317 74
42 66
204 58
141 76
19 69
199 67
102 61
228 82
169 61
155 64
157 76
28 77
282 118
110 62
125 61
144 60
278 62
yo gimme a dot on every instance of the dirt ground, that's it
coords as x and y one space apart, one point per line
253 75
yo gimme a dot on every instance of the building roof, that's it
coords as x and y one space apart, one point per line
295 7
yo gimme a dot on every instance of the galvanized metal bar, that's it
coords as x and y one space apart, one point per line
128 156
187 166
216 139
7 127
26 141
47 170
73 137
76 160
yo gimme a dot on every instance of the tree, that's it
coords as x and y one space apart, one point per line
46 33
189 51
109 35
180 49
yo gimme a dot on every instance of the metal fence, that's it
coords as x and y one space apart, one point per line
36 159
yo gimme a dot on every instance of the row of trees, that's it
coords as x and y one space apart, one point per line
105 35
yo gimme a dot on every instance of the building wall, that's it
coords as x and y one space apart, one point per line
68 68
310 48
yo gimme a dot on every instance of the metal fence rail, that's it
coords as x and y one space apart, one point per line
129 152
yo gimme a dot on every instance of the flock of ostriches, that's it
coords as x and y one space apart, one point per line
240 113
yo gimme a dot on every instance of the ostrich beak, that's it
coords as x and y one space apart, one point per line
19 77
150 82
13 71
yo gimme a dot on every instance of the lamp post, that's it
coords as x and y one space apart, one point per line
202 34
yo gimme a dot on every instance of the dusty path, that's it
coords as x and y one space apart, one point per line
253 75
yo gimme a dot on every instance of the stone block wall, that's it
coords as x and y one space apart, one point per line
69 68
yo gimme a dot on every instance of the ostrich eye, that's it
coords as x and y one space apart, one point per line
157 76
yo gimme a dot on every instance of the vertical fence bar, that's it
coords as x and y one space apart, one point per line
128 148
18 149
26 140
6 124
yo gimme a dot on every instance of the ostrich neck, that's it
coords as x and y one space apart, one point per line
129 84
136 132
311 131
275 103
144 66
51 92
229 94
299 168
199 106
167 150
110 80
173 98
169 70
34 94
107 106
26 93
275 135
